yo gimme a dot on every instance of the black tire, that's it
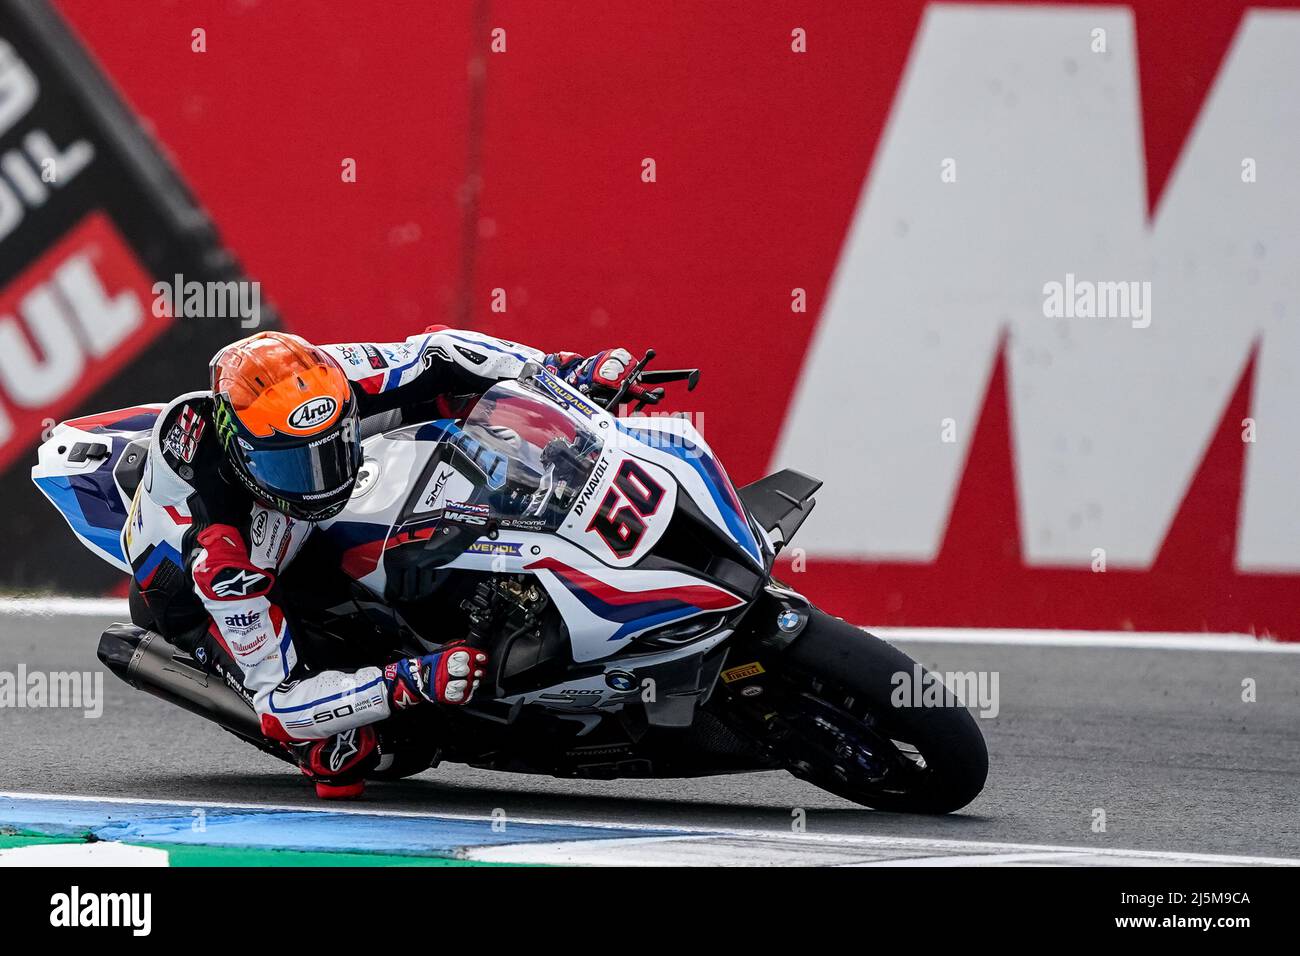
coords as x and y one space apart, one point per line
410 757
837 659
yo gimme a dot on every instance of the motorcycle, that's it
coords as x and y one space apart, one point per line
622 585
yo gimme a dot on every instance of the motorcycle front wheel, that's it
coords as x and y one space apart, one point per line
838 712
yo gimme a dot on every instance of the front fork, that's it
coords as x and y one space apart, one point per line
751 678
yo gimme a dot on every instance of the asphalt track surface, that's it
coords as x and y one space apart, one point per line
1160 740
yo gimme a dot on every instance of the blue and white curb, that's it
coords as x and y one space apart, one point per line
289 828
124 823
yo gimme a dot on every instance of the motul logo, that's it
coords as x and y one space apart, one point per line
29 175
1109 417
66 323
70 319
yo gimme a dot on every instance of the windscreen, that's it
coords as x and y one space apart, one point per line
549 454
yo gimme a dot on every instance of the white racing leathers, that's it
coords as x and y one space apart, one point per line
205 556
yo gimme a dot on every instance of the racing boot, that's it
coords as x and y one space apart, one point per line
338 765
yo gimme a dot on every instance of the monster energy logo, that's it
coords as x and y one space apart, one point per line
224 419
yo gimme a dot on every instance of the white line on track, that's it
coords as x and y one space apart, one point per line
1159 641
728 846
64 607
902 851
1127 640
106 853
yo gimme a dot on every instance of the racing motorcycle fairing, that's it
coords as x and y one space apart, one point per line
540 481
781 502
89 468
629 526
675 444
620 582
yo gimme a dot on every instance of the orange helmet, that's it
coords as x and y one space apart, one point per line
287 420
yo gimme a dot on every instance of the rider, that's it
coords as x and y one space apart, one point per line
237 477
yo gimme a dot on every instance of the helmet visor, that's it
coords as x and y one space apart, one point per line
316 470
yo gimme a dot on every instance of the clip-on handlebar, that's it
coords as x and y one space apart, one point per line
639 375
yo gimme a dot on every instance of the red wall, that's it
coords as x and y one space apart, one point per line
532 183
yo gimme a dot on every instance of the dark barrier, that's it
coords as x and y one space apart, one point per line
91 217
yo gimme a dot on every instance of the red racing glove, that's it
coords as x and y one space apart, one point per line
448 677
605 370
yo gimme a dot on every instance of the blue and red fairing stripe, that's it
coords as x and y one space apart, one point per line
94 512
90 502
139 418
637 610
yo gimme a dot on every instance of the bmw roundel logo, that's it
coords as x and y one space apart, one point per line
789 621
620 680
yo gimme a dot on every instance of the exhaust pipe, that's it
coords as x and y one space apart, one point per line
148 663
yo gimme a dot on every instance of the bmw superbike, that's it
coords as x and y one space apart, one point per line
621 583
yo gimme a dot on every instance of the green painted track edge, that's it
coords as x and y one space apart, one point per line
191 855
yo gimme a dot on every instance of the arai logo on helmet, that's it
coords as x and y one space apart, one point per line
313 412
